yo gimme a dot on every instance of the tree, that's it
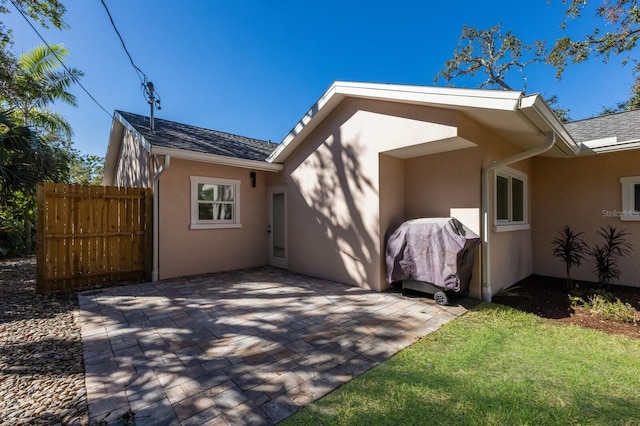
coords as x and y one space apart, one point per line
25 156
7 63
25 159
622 19
618 35
39 82
491 53
85 169
44 12
494 55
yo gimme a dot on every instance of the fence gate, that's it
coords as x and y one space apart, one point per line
92 235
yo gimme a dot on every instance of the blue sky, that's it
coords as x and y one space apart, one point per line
254 67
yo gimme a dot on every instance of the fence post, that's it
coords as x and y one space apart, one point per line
40 246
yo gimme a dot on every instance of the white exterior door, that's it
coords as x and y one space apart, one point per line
277 227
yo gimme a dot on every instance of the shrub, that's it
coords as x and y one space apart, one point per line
606 257
604 304
569 248
611 308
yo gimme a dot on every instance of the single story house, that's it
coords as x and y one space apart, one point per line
367 157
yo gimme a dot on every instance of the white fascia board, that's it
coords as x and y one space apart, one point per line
540 114
302 126
436 96
600 143
217 159
452 98
606 145
145 144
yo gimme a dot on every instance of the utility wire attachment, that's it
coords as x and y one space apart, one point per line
150 94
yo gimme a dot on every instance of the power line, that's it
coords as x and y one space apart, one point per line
55 55
135 67
150 94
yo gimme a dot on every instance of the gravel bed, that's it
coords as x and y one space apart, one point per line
41 365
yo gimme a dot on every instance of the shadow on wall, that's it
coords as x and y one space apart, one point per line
339 217
134 164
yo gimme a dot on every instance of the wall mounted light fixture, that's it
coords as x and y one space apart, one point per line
253 179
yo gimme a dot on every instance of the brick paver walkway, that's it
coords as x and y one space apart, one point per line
243 347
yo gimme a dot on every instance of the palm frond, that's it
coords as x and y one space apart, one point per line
43 59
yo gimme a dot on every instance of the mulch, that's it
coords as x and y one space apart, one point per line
548 298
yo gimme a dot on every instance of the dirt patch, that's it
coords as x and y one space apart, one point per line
549 298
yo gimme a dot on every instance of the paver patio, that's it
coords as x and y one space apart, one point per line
242 347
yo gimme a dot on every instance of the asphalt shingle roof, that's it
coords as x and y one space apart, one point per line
169 134
623 125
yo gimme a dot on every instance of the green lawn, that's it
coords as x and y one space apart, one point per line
494 366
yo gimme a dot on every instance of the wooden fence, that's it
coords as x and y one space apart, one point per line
92 235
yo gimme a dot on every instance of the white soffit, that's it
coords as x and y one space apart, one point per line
429 148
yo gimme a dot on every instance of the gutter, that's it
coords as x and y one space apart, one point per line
156 227
486 171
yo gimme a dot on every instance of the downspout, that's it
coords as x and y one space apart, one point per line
156 226
486 171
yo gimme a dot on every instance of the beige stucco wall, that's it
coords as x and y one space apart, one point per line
392 202
333 183
345 193
579 192
184 251
133 167
449 183
437 184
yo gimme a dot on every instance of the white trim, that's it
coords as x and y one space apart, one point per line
629 213
539 113
611 144
215 225
509 224
197 223
509 228
217 159
141 140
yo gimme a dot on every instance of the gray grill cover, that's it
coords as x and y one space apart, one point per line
439 251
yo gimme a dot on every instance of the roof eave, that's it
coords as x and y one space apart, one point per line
115 145
540 114
421 95
217 159
609 145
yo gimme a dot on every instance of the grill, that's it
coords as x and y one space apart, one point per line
432 255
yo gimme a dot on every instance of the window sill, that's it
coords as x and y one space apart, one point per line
630 218
509 228
215 226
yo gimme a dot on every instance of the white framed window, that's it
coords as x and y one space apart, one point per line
510 200
215 203
630 198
